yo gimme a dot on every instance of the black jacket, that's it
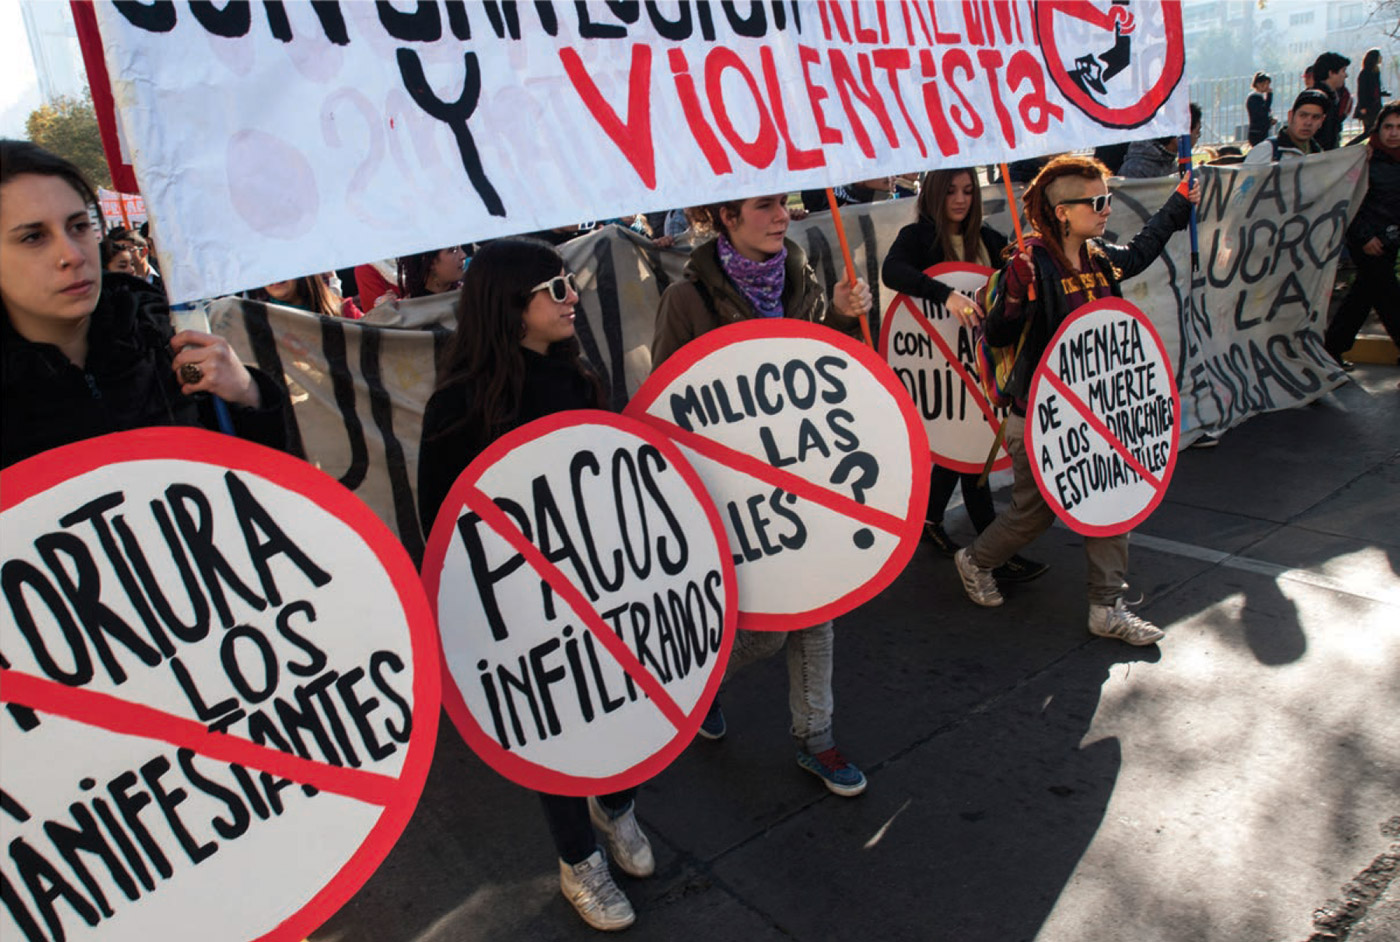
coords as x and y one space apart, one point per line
1329 135
552 384
917 248
126 383
1051 307
1380 210
1259 106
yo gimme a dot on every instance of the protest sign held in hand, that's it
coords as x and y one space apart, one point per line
1102 420
220 688
932 353
585 601
812 453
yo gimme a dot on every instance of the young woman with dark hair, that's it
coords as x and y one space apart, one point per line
431 272
1373 238
512 359
1259 106
751 269
1368 90
949 228
1067 207
85 352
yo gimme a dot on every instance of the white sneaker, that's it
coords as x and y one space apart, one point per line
1116 621
626 843
977 582
589 886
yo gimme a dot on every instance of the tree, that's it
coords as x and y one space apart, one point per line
68 127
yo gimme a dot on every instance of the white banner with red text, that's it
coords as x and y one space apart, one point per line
272 140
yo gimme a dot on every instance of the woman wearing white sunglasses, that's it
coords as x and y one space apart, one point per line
1070 264
513 359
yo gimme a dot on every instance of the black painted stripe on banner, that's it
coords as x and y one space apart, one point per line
343 384
872 271
381 408
264 345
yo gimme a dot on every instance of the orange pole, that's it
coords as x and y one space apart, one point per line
1016 221
846 254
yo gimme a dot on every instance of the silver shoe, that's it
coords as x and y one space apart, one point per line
977 582
626 843
1116 621
589 887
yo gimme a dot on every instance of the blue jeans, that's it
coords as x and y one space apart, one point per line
809 659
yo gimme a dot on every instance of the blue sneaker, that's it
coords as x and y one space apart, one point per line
831 767
713 727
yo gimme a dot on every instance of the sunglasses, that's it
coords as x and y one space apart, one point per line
559 287
1097 203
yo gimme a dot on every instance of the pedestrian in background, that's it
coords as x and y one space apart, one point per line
1260 105
1329 76
1368 90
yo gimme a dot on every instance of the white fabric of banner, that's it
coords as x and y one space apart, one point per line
1246 341
272 140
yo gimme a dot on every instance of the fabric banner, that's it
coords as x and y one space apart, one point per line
1246 341
273 140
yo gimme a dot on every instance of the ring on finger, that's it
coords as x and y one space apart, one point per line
190 374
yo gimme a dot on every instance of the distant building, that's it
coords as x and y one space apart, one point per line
53 44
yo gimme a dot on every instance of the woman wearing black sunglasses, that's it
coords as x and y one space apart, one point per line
513 359
1067 206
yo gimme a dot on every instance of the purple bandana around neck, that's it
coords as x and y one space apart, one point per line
760 282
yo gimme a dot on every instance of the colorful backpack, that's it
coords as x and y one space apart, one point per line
996 366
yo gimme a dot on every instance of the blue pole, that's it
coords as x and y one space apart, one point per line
1185 169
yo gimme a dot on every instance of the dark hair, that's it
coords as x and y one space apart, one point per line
311 294
1260 78
1310 96
1195 115
413 272
1371 62
932 207
130 236
110 249
1327 63
1391 109
20 157
1040 210
484 357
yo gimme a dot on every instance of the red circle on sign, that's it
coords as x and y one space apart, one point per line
909 528
1129 116
1043 374
464 494
35 475
909 305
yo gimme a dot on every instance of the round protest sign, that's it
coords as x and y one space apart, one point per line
584 600
1102 419
812 452
931 352
220 685
1102 55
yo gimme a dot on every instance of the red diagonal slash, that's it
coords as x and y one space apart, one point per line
1097 425
496 518
792 483
972 385
116 715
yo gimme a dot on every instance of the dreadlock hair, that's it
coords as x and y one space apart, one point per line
933 207
484 358
1058 180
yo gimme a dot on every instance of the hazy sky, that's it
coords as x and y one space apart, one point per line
19 89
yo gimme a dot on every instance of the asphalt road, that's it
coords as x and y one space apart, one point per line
1239 782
